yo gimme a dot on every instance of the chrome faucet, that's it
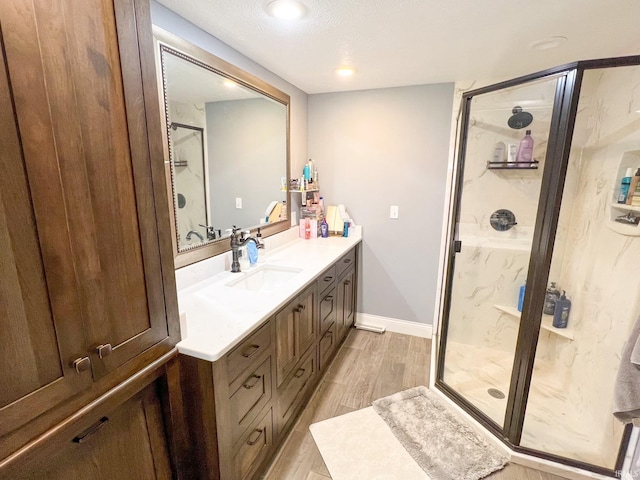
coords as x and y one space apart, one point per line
236 243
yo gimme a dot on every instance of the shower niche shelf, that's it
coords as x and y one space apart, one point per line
547 322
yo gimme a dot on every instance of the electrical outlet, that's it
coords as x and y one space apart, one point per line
238 202
393 212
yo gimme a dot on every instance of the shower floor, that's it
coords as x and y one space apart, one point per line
551 424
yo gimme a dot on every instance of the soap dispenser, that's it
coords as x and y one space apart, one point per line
551 297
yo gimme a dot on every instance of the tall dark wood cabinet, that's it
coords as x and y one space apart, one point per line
87 289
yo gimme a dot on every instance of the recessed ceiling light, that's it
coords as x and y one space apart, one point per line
345 71
229 83
547 43
286 9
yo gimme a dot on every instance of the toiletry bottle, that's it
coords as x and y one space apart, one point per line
633 188
345 229
324 228
512 151
521 297
306 172
625 185
307 229
499 152
561 313
550 299
525 150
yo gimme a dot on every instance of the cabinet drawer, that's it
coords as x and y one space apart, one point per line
290 396
346 261
328 303
327 279
327 345
251 394
244 354
254 446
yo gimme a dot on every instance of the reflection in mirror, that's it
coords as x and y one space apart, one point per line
227 146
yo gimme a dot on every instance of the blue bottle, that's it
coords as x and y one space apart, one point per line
561 313
324 229
521 297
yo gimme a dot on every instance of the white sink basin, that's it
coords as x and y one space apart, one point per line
264 278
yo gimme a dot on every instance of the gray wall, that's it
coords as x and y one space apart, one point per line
378 148
247 151
172 22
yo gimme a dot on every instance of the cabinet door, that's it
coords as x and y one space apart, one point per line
286 349
81 112
306 325
346 303
40 316
128 443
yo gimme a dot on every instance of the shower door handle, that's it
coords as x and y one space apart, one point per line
457 246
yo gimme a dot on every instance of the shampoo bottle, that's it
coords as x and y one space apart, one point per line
625 184
525 150
550 299
324 228
521 297
561 313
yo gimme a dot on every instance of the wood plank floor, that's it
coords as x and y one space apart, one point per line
367 367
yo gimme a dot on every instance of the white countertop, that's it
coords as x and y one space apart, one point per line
218 316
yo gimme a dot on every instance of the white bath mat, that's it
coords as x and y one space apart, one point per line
360 446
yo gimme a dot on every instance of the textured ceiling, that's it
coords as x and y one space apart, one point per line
409 42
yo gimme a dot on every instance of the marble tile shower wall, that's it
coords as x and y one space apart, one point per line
190 178
600 268
493 265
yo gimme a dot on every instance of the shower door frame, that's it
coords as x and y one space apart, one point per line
553 177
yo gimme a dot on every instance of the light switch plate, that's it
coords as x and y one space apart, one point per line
238 202
393 212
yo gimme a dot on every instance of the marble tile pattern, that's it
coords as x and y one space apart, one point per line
190 180
599 267
570 403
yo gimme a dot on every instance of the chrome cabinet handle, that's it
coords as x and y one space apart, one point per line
251 351
301 306
347 282
259 432
256 379
347 260
327 279
328 298
300 372
104 350
82 364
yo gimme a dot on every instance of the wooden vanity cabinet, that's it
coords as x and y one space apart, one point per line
87 286
239 408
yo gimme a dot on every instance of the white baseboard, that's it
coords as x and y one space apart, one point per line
395 325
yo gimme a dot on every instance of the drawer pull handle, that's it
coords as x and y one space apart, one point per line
297 310
256 379
328 298
251 351
300 372
347 282
328 334
91 430
259 432
82 364
347 260
327 278
302 307
104 350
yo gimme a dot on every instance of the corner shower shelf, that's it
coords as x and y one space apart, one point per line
513 165
546 324
619 209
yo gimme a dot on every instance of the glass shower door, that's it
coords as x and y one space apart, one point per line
595 260
495 215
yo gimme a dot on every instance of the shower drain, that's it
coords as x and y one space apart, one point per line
495 393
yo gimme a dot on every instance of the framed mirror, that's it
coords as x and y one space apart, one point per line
226 149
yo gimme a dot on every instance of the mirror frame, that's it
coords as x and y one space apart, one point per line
165 41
